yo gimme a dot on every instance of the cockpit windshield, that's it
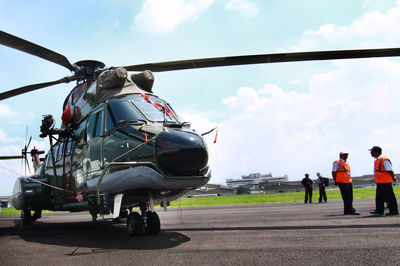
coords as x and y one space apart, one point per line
154 108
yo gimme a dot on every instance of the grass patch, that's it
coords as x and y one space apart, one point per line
9 211
332 194
12 211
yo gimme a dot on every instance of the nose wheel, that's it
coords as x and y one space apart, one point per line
138 225
153 223
135 224
26 217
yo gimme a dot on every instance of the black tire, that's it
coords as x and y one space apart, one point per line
36 215
135 224
94 216
26 217
153 223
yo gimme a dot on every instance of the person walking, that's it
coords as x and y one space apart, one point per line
384 176
321 185
342 177
307 183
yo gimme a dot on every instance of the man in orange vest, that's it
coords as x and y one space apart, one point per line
342 177
384 176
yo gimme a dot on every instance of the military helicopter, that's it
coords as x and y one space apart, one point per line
120 146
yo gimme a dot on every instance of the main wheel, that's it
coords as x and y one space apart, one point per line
94 216
153 223
36 215
26 217
135 224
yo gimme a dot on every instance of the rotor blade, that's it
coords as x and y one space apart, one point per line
27 165
21 90
264 58
34 49
26 136
11 157
29 142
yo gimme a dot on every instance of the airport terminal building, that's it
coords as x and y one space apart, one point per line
256 179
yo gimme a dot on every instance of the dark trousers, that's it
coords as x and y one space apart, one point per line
322 194
308 196
384 193
346 189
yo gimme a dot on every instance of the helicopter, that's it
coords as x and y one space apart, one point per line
120 146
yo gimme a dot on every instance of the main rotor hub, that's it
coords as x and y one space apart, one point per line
88 69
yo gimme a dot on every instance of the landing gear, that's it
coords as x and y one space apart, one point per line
26 217
94 216
123 217
147 223
135 224
124 214
36 215
153 223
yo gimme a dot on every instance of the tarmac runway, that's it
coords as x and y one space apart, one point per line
267 234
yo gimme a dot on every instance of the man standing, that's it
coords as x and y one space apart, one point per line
384 176
342 177
321 185
307 183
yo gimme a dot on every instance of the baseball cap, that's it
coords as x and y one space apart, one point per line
376 148
342 153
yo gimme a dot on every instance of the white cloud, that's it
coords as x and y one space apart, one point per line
371 29
244 7
162 17
2 135
5 111
289 132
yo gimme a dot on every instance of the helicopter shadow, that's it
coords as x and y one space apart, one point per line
102 236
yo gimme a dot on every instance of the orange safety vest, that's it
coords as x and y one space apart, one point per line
341 174
381 175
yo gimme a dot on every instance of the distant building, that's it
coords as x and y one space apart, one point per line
210 190
5 202
256 179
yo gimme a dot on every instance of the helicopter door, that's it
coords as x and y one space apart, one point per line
94 162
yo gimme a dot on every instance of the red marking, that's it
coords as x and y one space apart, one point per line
66 116
146 140
157 104
216 135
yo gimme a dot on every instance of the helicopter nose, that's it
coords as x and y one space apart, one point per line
181 153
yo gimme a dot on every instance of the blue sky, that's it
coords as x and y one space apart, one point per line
286 118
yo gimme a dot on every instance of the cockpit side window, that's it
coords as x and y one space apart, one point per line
121 111
99 124
94 127
68 146
60 150
110 120
49 162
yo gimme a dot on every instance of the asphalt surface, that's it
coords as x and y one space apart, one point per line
267 234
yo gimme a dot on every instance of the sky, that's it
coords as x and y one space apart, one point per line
282 118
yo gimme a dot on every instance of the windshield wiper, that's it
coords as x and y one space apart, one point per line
186 124
132 121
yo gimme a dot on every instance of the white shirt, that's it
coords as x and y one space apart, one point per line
386 164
